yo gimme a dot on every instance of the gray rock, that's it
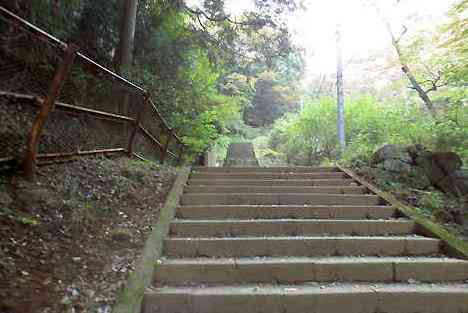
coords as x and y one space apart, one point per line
391 152
34 196
461 180
121 235
443 171
397 166
5 199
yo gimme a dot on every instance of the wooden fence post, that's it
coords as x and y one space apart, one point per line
181 152
136 125
34 135
165 148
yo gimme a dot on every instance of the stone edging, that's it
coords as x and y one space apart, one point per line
132 296
452 245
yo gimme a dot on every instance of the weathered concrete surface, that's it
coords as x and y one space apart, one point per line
285 211
267 175
241 154
272 182
179 272
276 189
231 249
301 246
277 199
289 227
315 298
292 169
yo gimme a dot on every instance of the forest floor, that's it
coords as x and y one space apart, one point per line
447 210
70 239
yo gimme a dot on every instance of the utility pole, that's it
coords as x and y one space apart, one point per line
340 92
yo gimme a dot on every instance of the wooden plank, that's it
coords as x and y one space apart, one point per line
150 137
37 101
164 123
452 244
57 158
6 159
139 157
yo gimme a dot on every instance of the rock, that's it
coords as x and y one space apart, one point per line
396 166
33 196
458 216
121 235
442 170
442 216
391 152
137 175
417 178
5 199
460 178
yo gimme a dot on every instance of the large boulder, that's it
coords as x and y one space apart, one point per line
443 169
391 152
421 168
393 158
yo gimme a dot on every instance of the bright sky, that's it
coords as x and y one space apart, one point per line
363 32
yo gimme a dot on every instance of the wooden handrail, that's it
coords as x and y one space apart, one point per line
37 101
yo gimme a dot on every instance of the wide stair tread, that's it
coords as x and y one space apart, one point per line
278 199
285 169
289 227
310 298
301 246
285 211
210 271
273 182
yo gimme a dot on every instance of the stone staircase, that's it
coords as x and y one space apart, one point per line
298 240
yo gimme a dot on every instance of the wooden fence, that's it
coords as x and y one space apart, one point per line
57 104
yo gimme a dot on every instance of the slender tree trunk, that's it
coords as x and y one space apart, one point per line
340 92
404 65
124 57
127 36
409 74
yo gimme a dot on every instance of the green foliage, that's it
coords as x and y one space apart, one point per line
431 201
309 137
29 221
198 62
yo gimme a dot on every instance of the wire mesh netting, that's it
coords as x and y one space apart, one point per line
27 66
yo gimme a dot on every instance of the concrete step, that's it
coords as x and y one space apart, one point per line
268 175
273 182
278 199
285 211
276 189
289 227
291 169
301 246
180 272
310 298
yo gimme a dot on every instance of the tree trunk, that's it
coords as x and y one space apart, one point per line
127 36
124 57
404 66
340 92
